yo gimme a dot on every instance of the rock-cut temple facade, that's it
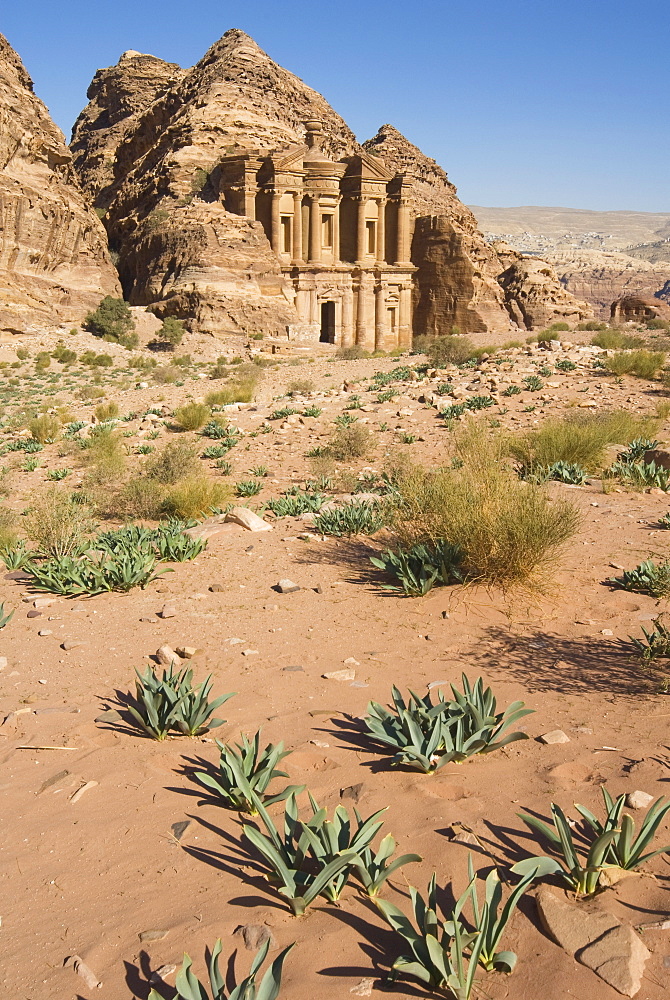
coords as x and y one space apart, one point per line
341 231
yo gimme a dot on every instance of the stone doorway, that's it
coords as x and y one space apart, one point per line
327 335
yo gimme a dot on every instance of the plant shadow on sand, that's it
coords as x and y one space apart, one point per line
542 661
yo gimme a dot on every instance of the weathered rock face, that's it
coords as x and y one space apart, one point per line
640 310
54 263
456 281
534 296
117 97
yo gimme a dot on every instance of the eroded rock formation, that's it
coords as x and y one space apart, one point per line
534 297
639 310
601 277
54 263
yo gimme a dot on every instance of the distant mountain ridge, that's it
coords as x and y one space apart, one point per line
618 228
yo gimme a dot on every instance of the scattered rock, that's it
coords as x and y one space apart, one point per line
351 662
596 939
161 973
249 652
287 586
253 935
54 709
167 611
180 828
460 834
216 588
292 670
72 643
187 652
555 736
82 969
53 780
152 935
45 631
43 602
340 675
166 655
639 800
363 989
34 614
3 662
352 792
111 715
247 519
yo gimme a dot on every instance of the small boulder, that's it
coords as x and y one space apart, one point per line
555 736
247 519
340 675
166 655
639 800
287 586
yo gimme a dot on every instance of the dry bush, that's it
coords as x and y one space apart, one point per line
614 340
58 523
45 428
353 353
8 532
241 390
192 416
580 438
106 411
453 349
351 442
509 532
643 364
195 497
105 455
140 498
300 386
175 461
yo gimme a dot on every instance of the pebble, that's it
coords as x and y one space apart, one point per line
363 989
187 652
639 800
152 935
152 621
340 675
292 670
249 652
45 631
166 655
352 792
34 614
3 662
72 643
555 736
351 661
159 975
216 588
606 631
287 586
180 828
167 611
111 715
253 935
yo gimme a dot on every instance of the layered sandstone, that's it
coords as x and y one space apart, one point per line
601 277
534 296
118 96
54 263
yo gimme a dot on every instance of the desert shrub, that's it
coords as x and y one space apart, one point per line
349 442
615 340
141 497
192 416
353 353
166 374
64 355
177 460
45 428
268 988
647 578
22 353
89 392
170 334
350 519
240 390
8 532
441 351
106 411
105 456
507 532
194 497
642 364
579 438
299 386
113 321
592 325
58 524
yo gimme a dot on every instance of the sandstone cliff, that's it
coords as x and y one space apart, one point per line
601 277
54 263
639 310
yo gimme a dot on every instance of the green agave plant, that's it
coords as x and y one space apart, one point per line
444 951
427 736
171 703
609 845
246 773
374 869
421 567
5 619
190 988
287 853
351 519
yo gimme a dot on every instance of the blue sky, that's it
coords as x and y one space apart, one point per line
523 103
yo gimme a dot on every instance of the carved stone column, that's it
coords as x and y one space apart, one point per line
360 231
405 317
381 231
297 228
402 255
365 335
347 317
274 223
250 202
336 234
314 230
381 319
